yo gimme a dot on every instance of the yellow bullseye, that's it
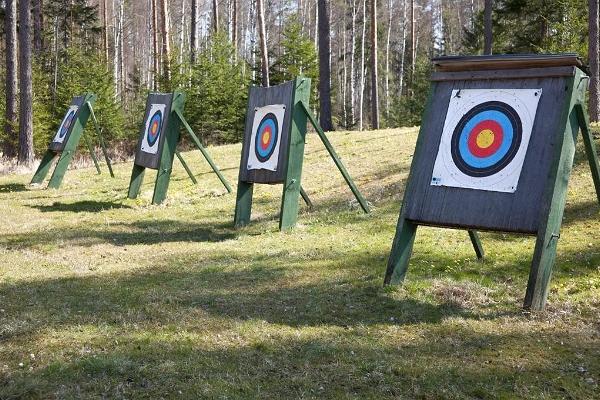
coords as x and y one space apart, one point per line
485 138
266 137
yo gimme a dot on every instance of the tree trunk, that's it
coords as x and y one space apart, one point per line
234 26
264 57
374 72
403 54
361 93
387 60
155 43
166 42
594 101
413 42
324 67
26 95
352 69
10 114
487 34
38 26
215 13
105 23
194 31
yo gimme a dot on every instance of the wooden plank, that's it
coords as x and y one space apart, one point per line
71 141
406 230
295 151
135 183
553 202
505 61
243 204
170 138
476 242
485 210
43 168
260 97
305 197
148 160
91 150
553 72
203 151
101 140
590 146
185 166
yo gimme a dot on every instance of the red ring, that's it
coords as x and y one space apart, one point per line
498 137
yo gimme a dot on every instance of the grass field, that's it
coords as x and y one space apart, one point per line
104 297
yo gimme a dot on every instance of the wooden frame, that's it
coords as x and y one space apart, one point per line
167 151
293 158
571 118
68 148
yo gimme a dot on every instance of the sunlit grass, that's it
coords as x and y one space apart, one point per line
105 297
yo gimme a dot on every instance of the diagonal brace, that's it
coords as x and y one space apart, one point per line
101 139
185 166
590 147
203 150
336 159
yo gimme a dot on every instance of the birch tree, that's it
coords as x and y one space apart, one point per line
594 101
25 84
264 57
374 68
10 112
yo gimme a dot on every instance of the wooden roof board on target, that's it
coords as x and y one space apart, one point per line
487 207
158 111
259 97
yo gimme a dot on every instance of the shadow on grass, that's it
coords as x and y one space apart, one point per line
80 206
122 234
12 187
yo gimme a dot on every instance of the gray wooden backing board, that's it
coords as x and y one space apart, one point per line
59 146
260 97
146 159
478 209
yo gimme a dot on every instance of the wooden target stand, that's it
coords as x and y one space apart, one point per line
535 204
66 140
160 155
290 101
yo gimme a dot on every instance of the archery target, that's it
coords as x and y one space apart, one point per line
266 137
153 128
485 138
66 124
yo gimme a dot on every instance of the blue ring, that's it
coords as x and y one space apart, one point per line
269 120
507 137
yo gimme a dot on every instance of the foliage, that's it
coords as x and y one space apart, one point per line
298 57
85 72
217 93
535 26
407 110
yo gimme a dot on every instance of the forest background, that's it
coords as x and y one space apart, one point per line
369 61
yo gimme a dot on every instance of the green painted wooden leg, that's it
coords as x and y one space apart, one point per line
61 169
305 197
401 251
44 167
162 185
243 204
185 166
137 177
590 146
91 150
474 236
549 231
289 204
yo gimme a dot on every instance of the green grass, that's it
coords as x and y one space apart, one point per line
104 297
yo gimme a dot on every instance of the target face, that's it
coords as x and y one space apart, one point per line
266 135
66 124
485 138
153 128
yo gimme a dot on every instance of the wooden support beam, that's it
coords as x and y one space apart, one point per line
204 152
590 146
185 166
336 159
474 236
100 139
